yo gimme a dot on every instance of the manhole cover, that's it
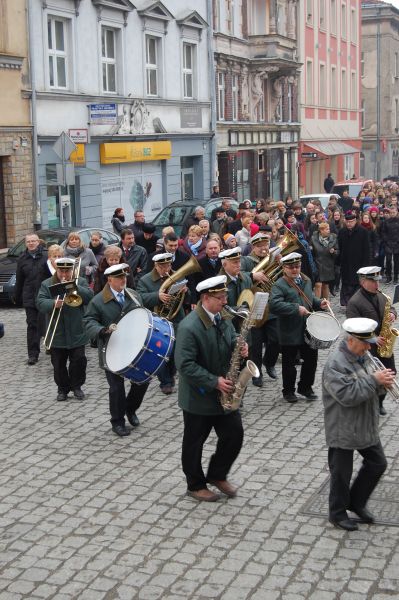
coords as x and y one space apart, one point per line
383 504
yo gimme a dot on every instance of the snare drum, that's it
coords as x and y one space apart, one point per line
321 331
140 345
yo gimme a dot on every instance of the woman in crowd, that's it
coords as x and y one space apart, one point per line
53 252
118 221
325 250
368 224
194 244
244 235
75 249
229 241
337 221
112 256
97 245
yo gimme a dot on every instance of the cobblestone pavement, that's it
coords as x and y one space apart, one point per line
87 515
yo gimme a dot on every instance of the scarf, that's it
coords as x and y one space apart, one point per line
324 241
194 247
97 249
74 251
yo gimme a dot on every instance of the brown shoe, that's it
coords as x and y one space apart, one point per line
203 495
225 487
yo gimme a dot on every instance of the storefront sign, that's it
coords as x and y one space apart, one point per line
125 152
78 136
78 156
190 117
102 114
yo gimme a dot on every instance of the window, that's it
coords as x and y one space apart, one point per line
344 97
353 26
230 16
234 97
290 94
333 18
57 52
333 86
309 82
322 85
309 12
108 59
363 115
221 96
188 70
216 15
353 90
396 65
151 65
362 64
322 14
396 114
343 20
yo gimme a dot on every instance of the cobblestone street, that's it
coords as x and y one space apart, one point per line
85 514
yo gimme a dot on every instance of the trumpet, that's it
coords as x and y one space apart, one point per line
377 365
70 298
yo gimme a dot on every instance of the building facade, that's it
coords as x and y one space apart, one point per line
256 82
380 90
16 207
330 91
130 85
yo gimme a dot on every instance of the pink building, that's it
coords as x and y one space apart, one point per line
329 41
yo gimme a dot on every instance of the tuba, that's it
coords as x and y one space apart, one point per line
170 309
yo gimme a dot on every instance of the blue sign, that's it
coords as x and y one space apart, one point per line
103 114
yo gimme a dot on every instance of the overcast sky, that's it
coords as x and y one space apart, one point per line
394 2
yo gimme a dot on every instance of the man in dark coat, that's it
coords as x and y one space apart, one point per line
70 338
390 240
204 346
210 267
107 308
137 225
135 256
31 271
147 239
370 303
354 253
328 183
345 201
292 300
194 219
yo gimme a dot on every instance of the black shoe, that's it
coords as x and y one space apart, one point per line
383 412
167 389
120 430
309 394
364 515
79 394
346 524
271 371
61 396
32 360
133 419
290 397
333 293
258 381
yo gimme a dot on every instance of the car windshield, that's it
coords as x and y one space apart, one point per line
171 215
48 237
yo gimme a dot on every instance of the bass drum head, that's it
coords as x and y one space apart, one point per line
323 327
127 341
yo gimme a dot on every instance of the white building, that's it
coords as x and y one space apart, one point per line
132 78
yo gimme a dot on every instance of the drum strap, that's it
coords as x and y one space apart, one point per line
302 294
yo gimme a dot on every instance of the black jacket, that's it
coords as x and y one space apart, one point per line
137 259
31 271
390 235
208 270
354 253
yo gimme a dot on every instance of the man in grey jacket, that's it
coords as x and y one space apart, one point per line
351 412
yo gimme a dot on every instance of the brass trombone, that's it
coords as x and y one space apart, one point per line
70 298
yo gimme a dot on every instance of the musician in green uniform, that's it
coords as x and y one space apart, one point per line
204 345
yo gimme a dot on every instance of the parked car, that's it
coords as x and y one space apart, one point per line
8 262
177 213
323 198
353 186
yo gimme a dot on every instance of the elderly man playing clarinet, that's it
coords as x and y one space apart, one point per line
351 387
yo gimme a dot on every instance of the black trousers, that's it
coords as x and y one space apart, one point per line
72 376
289 372
120 403
267 334
35 323
389 258
347 291
197 428
167 372
342 495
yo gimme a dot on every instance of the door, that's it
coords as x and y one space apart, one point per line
187 184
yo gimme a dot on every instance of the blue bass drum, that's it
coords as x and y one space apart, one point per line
140 345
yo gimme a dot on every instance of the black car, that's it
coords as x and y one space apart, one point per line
177 213
8 262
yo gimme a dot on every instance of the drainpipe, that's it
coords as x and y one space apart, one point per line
35 159
212 92
378 144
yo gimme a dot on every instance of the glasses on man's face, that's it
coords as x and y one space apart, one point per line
220 297
293 266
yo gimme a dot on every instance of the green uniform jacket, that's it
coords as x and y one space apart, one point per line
103 310
234 288
248 263
284 302
148 288
70 332
202 354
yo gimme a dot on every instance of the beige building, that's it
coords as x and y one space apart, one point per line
16 211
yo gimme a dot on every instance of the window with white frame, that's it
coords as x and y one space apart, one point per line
229 5
290 97
322 14
309 82
221 96
343 20
353 26
108 59
353 90
152 65
344 95
309 12
189 59
216 14
363 115
234 97
333 17
322 85
57 52
333 93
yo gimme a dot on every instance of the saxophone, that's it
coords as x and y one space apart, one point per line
239 378
387 332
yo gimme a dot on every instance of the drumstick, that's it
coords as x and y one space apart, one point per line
329 308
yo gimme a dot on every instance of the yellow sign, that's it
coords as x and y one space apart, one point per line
78 156
122 152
